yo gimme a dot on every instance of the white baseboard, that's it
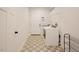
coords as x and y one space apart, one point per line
35 34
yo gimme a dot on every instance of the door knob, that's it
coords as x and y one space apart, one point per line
16 32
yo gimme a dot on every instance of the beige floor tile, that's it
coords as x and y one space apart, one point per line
37 44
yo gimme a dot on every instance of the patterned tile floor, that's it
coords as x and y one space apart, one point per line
37 44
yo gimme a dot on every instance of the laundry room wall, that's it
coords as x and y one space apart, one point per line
35 18
67 19
3 31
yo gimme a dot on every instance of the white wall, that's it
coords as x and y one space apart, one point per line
17 20
68 21
3 31
35 18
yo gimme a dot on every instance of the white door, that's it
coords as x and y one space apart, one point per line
3 31
11 28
